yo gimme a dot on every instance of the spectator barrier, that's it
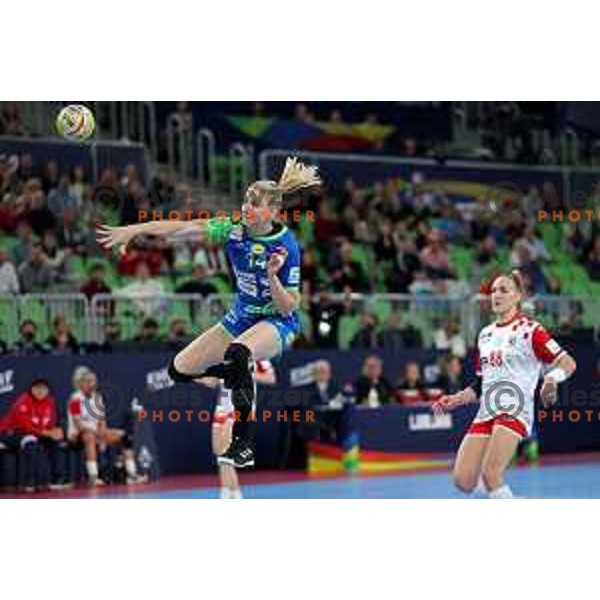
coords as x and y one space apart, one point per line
426 312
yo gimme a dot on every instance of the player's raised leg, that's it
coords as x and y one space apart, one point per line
259 342
502 447
206 350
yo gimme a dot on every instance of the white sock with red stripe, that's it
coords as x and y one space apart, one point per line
501 493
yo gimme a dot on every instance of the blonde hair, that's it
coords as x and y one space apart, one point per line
296 176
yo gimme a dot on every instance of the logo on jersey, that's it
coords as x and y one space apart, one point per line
294 276
258 257
504 398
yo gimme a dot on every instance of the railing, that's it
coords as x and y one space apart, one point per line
426 313
206 153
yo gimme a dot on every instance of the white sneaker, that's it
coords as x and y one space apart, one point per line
137 480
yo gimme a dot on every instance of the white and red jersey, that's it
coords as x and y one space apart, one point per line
264 373
89 409
511 357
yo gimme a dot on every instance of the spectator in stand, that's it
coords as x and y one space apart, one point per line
35 275
9 282
448 337
71 233
96 283
521 259
148 337
21 249
410 389
553 287
11 120
40 217
533 243
145 291
178 335
348 272
407 263
148 253
79 185
486 251
31 426
385 246
593 260
309 271
62 340
24 167
394 337
325 316
27 344
56 258
372 388
61 197
112 338
50 178
434 256
367 336
87 425
8 214
327 225
303 114
452 379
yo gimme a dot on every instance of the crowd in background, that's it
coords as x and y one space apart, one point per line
403 231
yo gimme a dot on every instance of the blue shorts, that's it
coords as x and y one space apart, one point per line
235 323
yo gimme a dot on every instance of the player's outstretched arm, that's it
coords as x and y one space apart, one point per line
119 237
452 401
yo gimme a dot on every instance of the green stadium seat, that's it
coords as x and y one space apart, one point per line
349 326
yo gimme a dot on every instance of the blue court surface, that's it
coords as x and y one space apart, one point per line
552 481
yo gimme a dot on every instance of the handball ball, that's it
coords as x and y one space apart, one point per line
75 122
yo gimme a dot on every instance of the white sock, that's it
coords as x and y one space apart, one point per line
480 487
130 467
236 494
92 469
225 493
501 493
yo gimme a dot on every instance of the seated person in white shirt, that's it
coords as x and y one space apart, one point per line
87 425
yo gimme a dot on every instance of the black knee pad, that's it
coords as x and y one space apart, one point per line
127 441
239 374
178 376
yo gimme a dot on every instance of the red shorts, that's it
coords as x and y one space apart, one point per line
487 427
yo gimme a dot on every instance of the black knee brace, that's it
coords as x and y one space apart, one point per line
178 376
239 375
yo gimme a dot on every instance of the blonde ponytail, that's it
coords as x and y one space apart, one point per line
296 175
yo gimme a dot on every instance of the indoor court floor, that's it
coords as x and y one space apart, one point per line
559 477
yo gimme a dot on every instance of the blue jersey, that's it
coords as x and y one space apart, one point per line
249 256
